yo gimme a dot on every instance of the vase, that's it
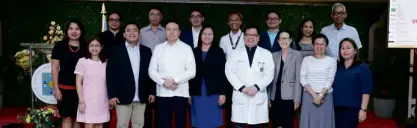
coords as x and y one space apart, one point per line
384 108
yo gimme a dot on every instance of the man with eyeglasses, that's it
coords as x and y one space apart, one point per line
337 31
150 36
269 38
154 33
190 36
112 36
250 70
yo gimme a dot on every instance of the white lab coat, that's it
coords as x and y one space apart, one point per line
248 109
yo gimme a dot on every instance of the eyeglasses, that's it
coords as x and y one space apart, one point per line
339 13
114 20
154 15
273 19
284 39
251 35
196 16
94 45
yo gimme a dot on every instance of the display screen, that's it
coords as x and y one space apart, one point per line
402 24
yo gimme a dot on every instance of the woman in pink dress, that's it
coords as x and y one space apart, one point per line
93 106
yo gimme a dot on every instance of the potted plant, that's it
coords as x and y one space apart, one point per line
384 81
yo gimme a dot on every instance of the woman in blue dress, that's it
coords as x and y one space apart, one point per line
208 88
352 86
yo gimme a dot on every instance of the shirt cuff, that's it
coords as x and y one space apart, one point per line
241 88
257 87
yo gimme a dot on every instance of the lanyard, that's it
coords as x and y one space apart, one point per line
237 41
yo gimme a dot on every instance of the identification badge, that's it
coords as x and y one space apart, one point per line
261 65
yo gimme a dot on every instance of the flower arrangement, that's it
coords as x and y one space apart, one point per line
22 58
40 117
55 34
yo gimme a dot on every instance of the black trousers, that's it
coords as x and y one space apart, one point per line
169 105
282 113
240 125
346 117
228 108
149 116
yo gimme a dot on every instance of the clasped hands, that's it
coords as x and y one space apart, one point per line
318 100
251 91
170 84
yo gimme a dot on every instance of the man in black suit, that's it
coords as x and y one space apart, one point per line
113 36
128 83
190 35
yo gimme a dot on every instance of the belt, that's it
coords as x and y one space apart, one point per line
67 87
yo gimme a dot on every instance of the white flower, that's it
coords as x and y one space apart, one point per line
45 38
58 27
53 22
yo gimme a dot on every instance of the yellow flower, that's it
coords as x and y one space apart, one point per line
53 22
45 38
51 111
27 119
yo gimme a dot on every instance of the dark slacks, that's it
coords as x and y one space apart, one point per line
346 117
282 113
149 116
240 125
169 105
228 108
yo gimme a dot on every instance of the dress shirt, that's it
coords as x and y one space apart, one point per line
150 38
318 73
196 33
272 36
174 61
335 36
226 45
134 57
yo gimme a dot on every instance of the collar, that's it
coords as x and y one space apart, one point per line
175 44
194 30
237 34
128 45
149 27
272 32
343 27
253 49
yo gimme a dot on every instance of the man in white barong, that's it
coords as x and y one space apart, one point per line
250 70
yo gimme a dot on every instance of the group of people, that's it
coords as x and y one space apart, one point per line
255 76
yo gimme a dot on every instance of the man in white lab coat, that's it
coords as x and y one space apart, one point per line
250 70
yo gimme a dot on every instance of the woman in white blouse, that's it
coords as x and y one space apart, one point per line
316 76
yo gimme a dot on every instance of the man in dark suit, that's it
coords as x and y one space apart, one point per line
128 83
190 35
269 38
113 36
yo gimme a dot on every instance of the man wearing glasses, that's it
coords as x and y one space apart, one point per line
190 36
154 33
337 31
250 70
112 36
150 36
